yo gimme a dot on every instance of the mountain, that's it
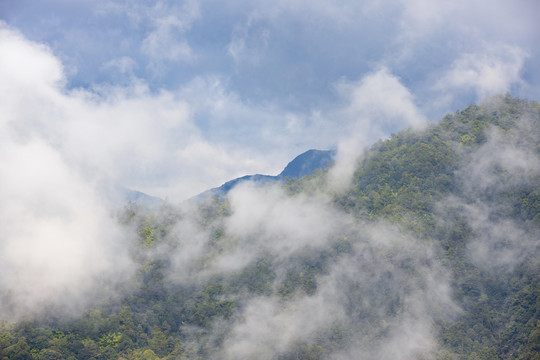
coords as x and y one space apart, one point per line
306 163
143 199
302 165
118 195
432 252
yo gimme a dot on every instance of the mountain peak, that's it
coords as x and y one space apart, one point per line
302 165
306 163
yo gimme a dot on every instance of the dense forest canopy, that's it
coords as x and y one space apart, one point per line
432 252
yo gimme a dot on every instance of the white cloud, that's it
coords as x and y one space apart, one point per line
139 139
20 64
249 42
421 19
376 105
166 41
269 327
505 162
493 70
171 144
259 137
124 65
58 238
58 241
281 224
380 101
501 162
162 44
360 291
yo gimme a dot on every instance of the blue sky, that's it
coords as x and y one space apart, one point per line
174 97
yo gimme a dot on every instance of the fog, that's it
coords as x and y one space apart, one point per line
380 293
59 242
362 289
378 103
385 295
505 162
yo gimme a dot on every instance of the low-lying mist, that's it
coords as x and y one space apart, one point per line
307 269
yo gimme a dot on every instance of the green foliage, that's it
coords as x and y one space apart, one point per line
209 304
257 278
401 180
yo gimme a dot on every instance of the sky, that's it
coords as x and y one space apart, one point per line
175 97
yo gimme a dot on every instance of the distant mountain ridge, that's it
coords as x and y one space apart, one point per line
302 165
145 200
118 195
306 163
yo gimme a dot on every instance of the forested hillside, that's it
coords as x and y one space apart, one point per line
432 252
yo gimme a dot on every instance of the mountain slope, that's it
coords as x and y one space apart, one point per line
431 253
119 195
304 164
